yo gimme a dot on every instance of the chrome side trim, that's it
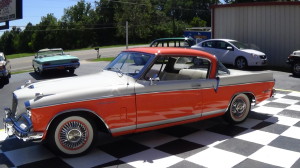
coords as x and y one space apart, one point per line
156 123
204 114
122 129
142 93
83 100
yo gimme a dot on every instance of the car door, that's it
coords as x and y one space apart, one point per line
225 52
171 95
208 46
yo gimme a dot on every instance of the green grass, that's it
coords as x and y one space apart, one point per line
18 72
102 59
13 56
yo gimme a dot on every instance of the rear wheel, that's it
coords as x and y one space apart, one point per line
296 69
71 136
241 63
238 110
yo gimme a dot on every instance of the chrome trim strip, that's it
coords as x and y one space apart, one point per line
204 114
166 91
122 129
246 83
156 123
83 100
191 89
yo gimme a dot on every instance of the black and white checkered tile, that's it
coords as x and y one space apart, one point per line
270 137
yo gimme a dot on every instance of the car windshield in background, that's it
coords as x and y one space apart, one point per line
129 63
1 58
50 53
239 45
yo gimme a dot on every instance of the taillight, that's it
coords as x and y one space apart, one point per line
46 64
74 61
2 67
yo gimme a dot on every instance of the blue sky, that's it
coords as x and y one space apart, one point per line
34 10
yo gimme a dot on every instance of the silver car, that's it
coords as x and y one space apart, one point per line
232 52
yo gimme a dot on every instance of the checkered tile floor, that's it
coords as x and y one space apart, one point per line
269 138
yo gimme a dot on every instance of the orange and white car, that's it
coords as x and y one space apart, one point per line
141 89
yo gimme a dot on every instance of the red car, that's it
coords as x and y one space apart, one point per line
141 89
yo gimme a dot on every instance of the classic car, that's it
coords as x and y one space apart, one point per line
141 89
54 59
5 68
233 52
184 42
294 61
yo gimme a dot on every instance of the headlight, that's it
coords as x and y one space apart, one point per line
254 55
28 112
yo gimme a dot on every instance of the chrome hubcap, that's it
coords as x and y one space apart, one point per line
73 135
238 108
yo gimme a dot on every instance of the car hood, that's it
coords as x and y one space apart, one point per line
105 83
2 63
56 58
251 51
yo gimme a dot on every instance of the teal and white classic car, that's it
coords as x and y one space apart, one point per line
54 59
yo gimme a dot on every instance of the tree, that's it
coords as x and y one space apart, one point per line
80 21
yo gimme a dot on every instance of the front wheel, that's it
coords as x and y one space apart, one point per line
241 63
71 136
296 69
71 71
238 110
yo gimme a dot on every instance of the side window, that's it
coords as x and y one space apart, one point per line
209 44
179 68
223 45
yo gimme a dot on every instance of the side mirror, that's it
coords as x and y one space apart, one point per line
229 48
154 78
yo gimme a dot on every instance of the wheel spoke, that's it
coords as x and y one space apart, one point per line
73 135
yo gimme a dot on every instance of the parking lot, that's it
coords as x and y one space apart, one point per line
269 138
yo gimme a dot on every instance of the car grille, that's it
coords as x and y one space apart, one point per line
263 57
14 104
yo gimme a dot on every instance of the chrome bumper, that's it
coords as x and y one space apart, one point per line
21 127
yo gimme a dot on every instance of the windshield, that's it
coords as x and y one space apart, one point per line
129 63
239 45
50 53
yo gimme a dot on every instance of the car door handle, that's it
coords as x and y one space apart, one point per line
196 85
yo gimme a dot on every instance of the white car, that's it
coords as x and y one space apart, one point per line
232 52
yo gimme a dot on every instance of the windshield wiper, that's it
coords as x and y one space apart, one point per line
119 71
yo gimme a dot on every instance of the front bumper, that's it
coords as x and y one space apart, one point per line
3 73
20 126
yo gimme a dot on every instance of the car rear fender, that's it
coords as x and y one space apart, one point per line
250 95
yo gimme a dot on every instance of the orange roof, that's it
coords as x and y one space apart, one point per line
160 51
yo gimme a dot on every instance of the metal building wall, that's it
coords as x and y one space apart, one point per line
273 28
